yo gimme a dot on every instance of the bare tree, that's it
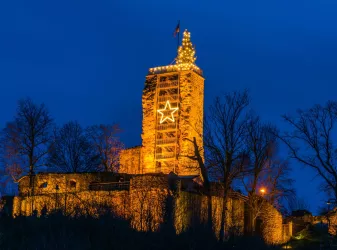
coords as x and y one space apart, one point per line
311 142
280 183
107 145
260 141
13 164
224 142
71 150
25 140
261 145
198 157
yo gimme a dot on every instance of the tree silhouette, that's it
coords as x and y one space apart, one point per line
71 150
224 138
311 142
106 143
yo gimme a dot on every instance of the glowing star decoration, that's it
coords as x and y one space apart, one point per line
166 109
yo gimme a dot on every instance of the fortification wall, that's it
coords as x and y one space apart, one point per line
191 120
330 219
149 124
47 183
148 198
91 203
152 202
273 229
130 161
192 209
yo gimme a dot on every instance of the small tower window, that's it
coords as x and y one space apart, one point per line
44 185
72 184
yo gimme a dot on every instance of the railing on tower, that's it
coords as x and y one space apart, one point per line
168 84
166 127
171 98
166 141
175 68
166 133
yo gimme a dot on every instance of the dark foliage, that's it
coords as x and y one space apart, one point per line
108 232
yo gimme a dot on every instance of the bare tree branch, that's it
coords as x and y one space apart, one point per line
224 137
107 145
311 141
72 151
25 140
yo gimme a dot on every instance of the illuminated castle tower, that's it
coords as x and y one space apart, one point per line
173 100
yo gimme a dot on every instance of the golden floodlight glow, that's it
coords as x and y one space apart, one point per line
168 117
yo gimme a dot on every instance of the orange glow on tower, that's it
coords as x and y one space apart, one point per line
173 100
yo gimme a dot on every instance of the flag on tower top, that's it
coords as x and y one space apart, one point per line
177 30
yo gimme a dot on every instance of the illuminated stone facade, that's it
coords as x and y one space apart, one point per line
157 182
130 161
173 102
144 200
72 193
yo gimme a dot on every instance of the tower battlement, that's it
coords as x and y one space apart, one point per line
175 68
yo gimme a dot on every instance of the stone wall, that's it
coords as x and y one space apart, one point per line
273 230
192 209
130 161
146 204
191 120
149 124
330 219
151 202
88 203
148 196
46 183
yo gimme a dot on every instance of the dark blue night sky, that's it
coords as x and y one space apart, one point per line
87 60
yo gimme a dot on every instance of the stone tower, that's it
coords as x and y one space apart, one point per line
173 102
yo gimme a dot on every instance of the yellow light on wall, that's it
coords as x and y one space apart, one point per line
164 117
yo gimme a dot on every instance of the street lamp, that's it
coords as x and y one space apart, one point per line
263 191
329 202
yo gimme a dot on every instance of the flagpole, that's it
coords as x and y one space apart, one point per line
178 36
177 32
